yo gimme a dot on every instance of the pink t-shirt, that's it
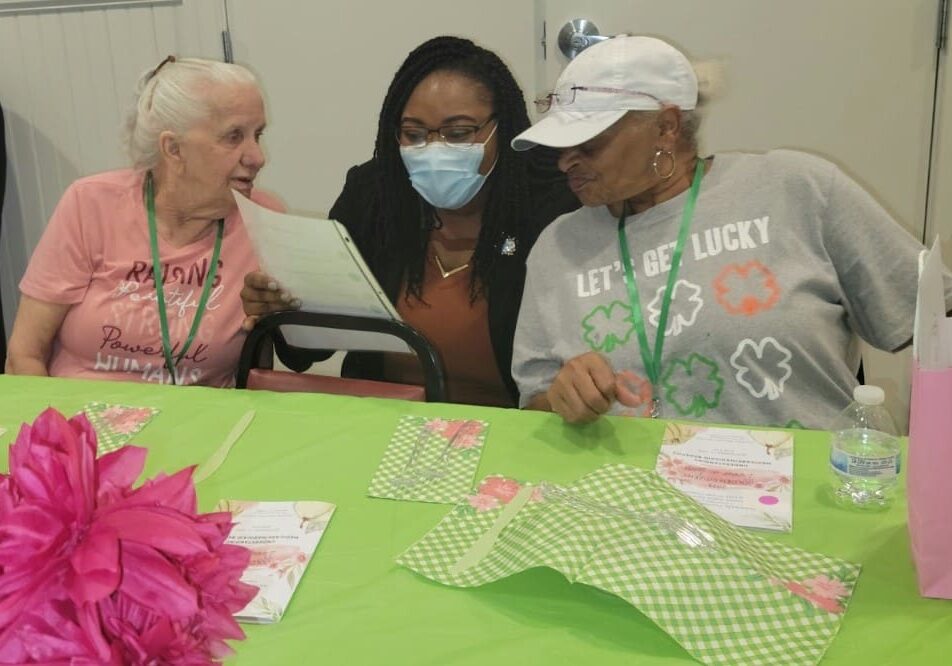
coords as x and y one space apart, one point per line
95 255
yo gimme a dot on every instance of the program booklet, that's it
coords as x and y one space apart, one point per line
281 536
744 476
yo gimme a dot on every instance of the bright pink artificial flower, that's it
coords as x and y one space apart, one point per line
94 571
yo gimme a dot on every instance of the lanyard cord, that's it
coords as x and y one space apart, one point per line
652 361
170 362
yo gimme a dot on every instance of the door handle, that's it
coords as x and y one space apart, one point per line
577 35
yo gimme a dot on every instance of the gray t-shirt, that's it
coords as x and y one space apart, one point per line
787 260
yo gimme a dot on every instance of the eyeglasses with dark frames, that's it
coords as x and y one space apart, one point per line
460 136
566 96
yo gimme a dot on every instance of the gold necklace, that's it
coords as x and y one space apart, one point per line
447 273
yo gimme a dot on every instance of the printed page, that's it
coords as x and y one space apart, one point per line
282 537
317 262
744 476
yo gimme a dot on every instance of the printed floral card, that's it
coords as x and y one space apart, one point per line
744 476
282 537
727 595
115 425
430 460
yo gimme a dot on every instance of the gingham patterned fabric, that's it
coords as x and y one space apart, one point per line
743 601
450 448
116 424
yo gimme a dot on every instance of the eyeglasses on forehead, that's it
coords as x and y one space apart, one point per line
567 94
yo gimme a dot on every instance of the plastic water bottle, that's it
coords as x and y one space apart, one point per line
865 451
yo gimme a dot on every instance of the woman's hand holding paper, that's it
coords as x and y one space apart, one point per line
262 295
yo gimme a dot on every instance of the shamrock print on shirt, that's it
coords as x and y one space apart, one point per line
762 367
686 303
606 328
746 289
693 385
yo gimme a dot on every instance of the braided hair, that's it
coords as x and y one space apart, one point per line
405 218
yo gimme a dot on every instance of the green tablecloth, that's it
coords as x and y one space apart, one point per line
355 606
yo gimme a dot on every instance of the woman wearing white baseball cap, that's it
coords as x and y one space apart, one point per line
729 288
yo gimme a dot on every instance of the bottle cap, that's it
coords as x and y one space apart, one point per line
867 394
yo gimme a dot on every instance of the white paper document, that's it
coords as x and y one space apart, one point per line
744 476
317 262
282 537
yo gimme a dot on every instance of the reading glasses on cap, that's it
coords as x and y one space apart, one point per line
566 96
461 136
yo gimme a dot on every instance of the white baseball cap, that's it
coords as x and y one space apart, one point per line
606 81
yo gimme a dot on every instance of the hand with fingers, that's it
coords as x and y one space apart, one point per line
584 389
262 295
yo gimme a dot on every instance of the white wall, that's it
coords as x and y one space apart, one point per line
325 67
66 79
940 210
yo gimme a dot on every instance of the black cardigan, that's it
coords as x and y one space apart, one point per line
358 209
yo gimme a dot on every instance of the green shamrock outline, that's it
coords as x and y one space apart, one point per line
699 404
609 343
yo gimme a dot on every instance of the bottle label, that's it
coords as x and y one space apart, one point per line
882 467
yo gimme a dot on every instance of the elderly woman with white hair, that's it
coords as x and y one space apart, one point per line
728 288
138 272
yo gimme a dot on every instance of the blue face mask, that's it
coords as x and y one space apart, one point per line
446 176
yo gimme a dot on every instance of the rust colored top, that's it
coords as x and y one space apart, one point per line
459 330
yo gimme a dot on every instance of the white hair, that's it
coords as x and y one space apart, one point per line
171 98
710 82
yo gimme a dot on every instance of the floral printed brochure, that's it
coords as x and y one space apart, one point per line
117 424
737 599
430 460
282 537
744 476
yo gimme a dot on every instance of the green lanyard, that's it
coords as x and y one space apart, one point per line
652 361
170 362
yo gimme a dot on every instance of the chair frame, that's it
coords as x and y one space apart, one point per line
268 327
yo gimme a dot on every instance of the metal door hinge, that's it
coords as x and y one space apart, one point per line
942 26
226 46
543 41
226 35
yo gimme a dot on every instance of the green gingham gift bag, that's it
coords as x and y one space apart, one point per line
430 460
727 596
115 425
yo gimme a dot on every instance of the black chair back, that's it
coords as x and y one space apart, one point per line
262 337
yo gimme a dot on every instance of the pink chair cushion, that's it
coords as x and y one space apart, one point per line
274 380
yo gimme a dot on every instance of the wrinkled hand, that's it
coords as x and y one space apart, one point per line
584 389
261 295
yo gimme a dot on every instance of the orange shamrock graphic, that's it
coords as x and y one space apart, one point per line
746 289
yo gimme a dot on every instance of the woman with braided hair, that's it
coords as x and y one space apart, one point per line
444 215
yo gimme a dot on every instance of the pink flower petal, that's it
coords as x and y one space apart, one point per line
159 528
173 492
95 563
153 582
120 469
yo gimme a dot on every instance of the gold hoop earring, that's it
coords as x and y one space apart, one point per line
654 163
